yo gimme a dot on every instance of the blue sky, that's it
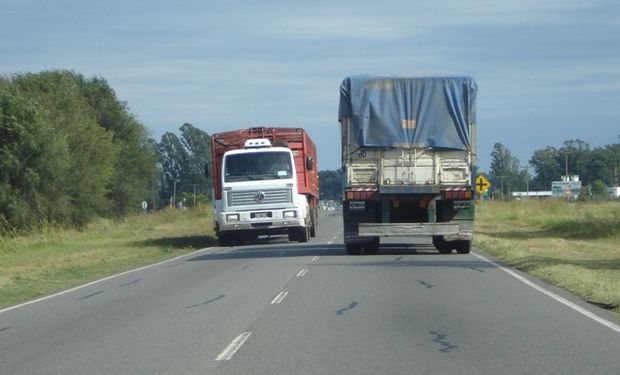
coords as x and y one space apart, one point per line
547 70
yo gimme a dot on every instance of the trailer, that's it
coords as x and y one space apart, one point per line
408 153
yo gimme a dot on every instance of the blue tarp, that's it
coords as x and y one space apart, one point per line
395 111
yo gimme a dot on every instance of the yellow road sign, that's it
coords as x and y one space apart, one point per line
482 184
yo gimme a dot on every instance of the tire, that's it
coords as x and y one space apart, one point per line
463 246
299 234
353 248
304 234
313 226
442 246
224 239
373 246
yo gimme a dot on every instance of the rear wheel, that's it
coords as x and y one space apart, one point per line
313 223
353 248
443 246
373 246
463 246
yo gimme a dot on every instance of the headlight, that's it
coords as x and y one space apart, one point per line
232 217
290 214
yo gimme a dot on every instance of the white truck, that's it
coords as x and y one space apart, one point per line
265 182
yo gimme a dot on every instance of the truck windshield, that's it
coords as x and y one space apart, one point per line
257 166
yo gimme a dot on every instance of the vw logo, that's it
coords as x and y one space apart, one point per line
259 196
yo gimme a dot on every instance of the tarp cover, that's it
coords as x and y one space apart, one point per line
396 111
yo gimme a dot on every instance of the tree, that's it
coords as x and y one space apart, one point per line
331 184
547 167
197 143
505 170
77 174
70 152
135 167
575 155
21 154
174 163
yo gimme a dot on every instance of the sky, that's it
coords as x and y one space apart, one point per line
548 71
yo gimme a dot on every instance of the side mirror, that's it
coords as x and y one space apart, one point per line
309 163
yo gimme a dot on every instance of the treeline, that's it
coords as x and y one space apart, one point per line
70 151
597 168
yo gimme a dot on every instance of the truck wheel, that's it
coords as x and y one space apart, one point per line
313 228
299 234
373 246
353 248
443 246
304 234
463 246
314 221
224 240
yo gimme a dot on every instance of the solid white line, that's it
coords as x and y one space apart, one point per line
315 258
279 298
101 280
234 347
302 273
548 293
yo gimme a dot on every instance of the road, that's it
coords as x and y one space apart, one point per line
288 308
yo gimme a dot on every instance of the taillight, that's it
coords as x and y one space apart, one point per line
456 194
359 195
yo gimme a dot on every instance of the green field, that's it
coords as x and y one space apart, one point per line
55 260
573 245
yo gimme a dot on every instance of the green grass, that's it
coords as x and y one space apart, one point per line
57 259
573 245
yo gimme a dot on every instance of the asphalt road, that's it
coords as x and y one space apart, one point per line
287 308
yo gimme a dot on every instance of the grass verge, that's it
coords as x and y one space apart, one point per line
574 245
58 259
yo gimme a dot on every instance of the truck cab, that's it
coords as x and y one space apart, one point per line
259 194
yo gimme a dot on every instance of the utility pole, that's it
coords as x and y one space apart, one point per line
501 184
527 182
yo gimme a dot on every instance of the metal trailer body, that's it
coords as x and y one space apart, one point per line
400 183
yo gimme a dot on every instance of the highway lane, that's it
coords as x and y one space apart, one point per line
279 308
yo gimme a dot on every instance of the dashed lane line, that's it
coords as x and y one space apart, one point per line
302 273
279 298
234 347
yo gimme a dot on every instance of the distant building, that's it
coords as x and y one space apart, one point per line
531 194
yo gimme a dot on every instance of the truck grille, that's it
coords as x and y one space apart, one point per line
253 197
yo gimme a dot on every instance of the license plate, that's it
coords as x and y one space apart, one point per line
261 215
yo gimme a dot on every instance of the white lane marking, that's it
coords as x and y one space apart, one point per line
330 242
234 347
104 279
279 298
315 258
548 293
302 273
282 253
